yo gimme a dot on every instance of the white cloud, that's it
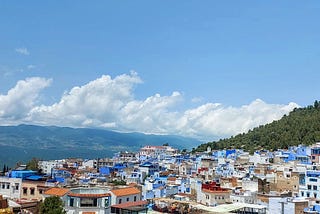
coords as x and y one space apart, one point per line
23 51
20 100
110 103
217 120
93 104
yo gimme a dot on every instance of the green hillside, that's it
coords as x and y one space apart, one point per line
21 143
301 126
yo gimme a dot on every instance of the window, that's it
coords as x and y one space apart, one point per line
31 191
106 202
309 187
3 185
71 202
315 195
17 186
40 191
135 198
314 187
8 185
308 194
120 200
88 202
25 190
302 194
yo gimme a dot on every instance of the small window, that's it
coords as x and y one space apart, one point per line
31 191
120 200
135 198
71 202
127 199
25 190
17 186
315 187
106 202
8 185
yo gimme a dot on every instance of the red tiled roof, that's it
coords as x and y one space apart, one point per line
125 191
79 195
57 191
172 179
130 204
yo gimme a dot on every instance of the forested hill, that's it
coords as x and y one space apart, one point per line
301 126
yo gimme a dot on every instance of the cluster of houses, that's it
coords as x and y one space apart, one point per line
162 179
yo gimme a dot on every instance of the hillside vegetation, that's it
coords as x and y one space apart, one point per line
21 143
301 126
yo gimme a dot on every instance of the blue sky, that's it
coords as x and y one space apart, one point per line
206 57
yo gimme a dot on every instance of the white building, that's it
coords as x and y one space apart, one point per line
10 187
47 166
258 158
243 197
124 195
287 205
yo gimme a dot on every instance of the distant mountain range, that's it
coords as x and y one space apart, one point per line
22 142
301 126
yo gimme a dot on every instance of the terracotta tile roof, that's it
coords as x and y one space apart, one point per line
88 212
130 204
79 195
172 179
56 191
125 191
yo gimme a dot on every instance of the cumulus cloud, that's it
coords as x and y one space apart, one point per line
23 51
218 120
92 104
110 103
21 99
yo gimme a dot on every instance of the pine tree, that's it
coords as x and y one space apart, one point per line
52 205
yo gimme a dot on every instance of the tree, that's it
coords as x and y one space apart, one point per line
184 151
52 205
33 164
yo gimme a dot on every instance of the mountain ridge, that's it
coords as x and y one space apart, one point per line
22 142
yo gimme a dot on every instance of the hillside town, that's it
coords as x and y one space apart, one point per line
162 179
